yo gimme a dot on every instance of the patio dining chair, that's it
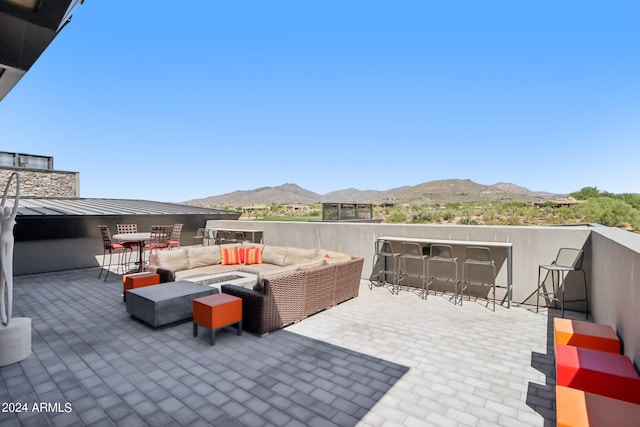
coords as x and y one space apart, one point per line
174 239
111 248
159 238
127 229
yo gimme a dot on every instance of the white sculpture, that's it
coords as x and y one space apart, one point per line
7 223
15 334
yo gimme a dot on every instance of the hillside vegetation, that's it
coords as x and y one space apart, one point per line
586 206
591 206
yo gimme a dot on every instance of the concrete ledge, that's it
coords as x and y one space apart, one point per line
15 341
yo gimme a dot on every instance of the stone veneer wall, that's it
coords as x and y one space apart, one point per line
43 183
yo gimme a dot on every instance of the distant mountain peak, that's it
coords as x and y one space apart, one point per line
439 191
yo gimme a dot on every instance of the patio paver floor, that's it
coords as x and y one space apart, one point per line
379 359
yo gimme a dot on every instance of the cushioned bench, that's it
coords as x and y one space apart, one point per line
165 303
577 408
599 372
584 334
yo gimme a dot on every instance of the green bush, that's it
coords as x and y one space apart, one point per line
610 212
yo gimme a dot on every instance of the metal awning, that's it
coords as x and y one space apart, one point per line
64 207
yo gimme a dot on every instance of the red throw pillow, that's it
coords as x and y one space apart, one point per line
253 256
230 256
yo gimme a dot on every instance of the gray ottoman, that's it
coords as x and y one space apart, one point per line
165 303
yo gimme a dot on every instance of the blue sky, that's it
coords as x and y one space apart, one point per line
159 101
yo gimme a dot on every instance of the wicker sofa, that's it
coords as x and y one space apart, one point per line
293 283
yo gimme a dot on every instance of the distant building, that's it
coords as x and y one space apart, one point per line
348 212
37 176
560 203
59 229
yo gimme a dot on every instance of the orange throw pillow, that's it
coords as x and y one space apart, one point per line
253 256
230 256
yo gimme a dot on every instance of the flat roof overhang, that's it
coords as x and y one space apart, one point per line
27 27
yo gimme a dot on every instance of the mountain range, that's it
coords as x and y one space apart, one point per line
441 191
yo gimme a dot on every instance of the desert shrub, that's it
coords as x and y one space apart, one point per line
423 217
397 217
448 215
468 221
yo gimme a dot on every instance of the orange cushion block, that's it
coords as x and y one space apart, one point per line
586 335
577 408
599 372
216 311
138 280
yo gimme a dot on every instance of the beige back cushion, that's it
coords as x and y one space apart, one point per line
274 255
173 260
201 256
301 256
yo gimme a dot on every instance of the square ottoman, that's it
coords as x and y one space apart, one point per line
138 280
598 372
583 334
165 303
215 312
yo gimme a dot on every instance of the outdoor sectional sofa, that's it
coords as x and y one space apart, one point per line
292 283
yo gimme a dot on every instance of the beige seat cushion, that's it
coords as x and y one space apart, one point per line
332 257
205 271
315 263
266 271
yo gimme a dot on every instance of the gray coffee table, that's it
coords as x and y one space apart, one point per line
165 303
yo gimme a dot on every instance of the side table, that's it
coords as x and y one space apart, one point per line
215 312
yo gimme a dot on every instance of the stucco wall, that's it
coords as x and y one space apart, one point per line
532 246
615 286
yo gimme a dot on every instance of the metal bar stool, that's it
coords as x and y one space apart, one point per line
478 258
438 255
383 256
410 254
567 260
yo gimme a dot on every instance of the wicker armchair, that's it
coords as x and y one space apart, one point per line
291 297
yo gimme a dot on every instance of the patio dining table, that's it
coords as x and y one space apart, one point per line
140 238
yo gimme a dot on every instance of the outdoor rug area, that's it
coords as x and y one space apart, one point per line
92 364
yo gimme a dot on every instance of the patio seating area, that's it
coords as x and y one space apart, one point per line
378 359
